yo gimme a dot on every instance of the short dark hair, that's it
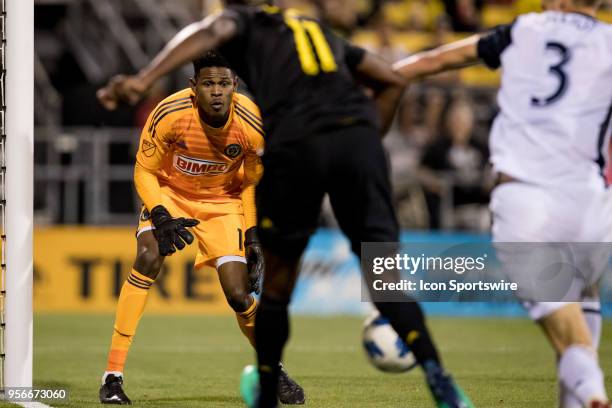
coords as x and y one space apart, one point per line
210 59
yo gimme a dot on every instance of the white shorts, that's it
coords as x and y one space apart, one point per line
555 224
539 310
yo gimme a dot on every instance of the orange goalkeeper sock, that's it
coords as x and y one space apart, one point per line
130 307
246 321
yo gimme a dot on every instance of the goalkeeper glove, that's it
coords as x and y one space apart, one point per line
255 259
171 232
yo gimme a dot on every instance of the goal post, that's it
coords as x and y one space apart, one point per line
18 165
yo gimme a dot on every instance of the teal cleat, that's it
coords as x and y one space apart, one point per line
289 392
249 385
445 392
463 400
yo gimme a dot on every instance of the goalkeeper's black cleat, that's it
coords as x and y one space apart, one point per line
289 392
111 392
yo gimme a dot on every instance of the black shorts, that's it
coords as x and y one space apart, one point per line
350 166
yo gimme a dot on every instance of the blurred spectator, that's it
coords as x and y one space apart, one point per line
158 93
385 46
528 6
453 171
342 15
368 11
465 15
419 16
435 101
442 34
405 143
412 15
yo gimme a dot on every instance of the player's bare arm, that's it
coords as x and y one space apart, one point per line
387 85
189 43
455 55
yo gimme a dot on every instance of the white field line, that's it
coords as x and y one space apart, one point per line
34 405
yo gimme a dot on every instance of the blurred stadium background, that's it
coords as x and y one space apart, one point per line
86 208
84 155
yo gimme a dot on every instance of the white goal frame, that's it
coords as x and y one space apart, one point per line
19 153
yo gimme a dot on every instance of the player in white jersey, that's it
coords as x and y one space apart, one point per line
548 147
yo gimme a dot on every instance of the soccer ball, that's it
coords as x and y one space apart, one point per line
385 350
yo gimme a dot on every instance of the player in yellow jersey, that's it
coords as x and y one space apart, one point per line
196 170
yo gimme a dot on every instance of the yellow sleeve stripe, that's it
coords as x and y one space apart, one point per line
165 106
250 114
170 103
135 278
179 108
131 281
248 120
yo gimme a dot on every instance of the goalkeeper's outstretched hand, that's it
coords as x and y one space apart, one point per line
255 259
171 233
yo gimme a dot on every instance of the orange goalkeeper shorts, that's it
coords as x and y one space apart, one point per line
220 232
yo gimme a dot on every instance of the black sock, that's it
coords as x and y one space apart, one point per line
271 334
408 321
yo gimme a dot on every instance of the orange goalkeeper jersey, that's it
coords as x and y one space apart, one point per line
199 161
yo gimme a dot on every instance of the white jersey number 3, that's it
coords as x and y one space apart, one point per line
556 70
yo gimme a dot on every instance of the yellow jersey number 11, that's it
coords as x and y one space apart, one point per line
302 29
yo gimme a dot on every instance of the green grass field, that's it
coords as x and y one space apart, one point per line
195 362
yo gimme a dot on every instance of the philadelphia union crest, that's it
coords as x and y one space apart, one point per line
233 150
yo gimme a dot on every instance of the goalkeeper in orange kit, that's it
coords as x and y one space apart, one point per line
196 170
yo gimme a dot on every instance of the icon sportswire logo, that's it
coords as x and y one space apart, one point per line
199 167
